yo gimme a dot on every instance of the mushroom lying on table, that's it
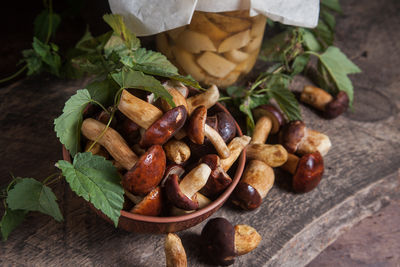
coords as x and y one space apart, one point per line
297 138
175 254
222 242
331 107
272 155
307 171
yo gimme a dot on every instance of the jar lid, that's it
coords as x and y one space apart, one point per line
147 17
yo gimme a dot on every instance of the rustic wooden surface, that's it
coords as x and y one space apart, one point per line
361 169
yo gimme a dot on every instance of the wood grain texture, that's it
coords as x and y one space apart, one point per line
360 176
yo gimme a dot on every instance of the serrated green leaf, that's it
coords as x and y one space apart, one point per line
11 220
324 33
151 60
117 24
90 44
42 24
116 45
68 125
47 55
31 195
299 63
103 91
245 108
97 181
339 66
332 4
33 61
328 18
310 41
128 78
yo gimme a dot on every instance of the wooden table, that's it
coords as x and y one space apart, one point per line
361 169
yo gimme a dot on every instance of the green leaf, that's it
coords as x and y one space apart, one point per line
324 33
68 125
33 62
97 181
135 79
332 4
245 108
11 220
328 18
103 91
299 64
48 56
339 66
117 24
310 41
152 60
45 22
31 195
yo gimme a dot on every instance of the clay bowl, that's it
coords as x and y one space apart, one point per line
157 225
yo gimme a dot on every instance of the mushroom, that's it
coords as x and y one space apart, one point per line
177 97
258 178
139 111
207 99
177 85
172 169
218 179
272 155
296 138
236 147
165 127
331 107
269 119
177 151
226 126
110 140
175 255
147 172
307 171
201 199
128 130
222 242
197 129
181 194
96 149
150 205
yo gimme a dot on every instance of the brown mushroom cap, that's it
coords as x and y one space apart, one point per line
175 195
337 106
172 169
195 129
218 237
147 173
308 173
226 126
246 197
165 127
218 179
151 205
271 112
292 134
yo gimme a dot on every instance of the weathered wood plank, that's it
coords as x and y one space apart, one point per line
360 168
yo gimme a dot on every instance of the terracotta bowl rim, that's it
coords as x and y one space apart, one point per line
214 204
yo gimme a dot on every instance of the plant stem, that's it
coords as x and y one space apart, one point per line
54 180
49 177
224 98
14 75
103 132
50 21
99 104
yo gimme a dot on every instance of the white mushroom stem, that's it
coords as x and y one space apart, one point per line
201 199
207 99
272 155
261 130
175 255
139 111
291 164
110 140
195 180
314 141
260 176
177 98
236 147
217 141
315 97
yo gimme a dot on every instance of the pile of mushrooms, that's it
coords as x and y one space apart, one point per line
181 154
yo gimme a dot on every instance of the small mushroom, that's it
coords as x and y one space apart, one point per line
226 126
177 98
307 171
177 85
181 195
177 151
236 147
165 127
297 138
172 169
272 155
151 204
198 129
147 172
269 119
128 130
207 99
139 111
331 107
111 141
201 199
222 242
258 178
218 180
96 149
175 255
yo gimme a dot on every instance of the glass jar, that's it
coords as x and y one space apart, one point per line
215 48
